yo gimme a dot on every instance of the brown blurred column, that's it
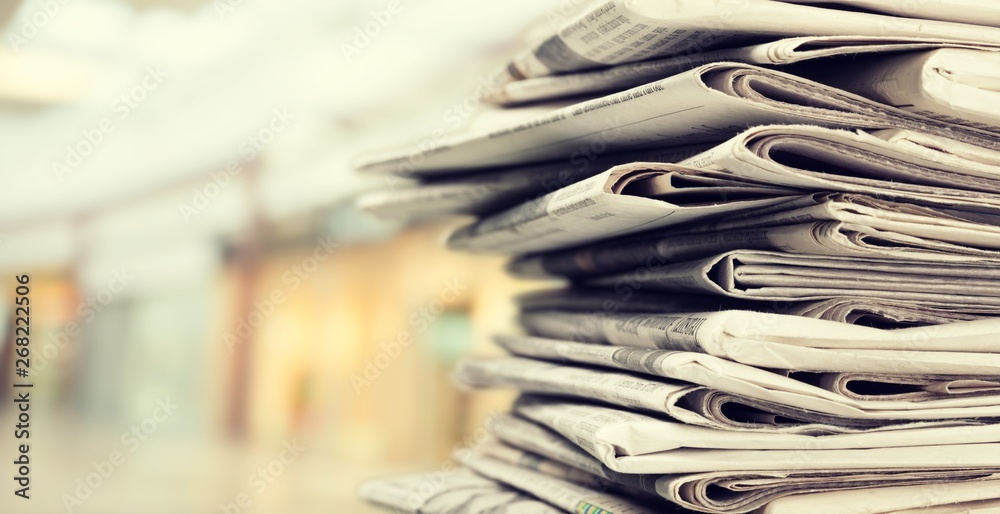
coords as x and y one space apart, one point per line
246 257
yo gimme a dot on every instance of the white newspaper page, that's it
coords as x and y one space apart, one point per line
952 85
625 199
820 159
461 492
862 386
784 51
487 193
534 376
975 12
817 238
632 433
707 407
870 312
536 462
830 238
567 496
938 148
747 492
824 394
700 332
632 443
777 276
529 436
722 491
885 314
972 497
618 31
943 224
788 342
710 103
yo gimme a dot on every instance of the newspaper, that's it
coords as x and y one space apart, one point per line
976 12
866 386
927 396
634 486
776 276
938 172
939 223
618 31
803 157
510 455
487 193
780 52
843 225
777 341
952 85
625 199
724 491
526 435
971 497
702 388
936 147
629 442
884 313
707 104
568 496
720 410
460 492
856 311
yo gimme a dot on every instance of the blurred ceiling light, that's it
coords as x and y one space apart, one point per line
40 78
51 245
186 5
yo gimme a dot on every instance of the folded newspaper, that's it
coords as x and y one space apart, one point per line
906 166
510 454
846 225
950 84
785 277
721 410
568 496
781 52
625 199
489 192
709 103
976 12
459 492
937 498
619 31
709 391
531 446
874 312
629 442
779 341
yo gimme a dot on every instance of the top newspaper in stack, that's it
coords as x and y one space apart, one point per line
625 31
619 31
915 71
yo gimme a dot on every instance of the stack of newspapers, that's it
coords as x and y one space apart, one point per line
777 225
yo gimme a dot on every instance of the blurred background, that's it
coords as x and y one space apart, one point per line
215 327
